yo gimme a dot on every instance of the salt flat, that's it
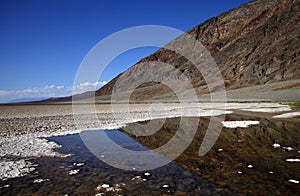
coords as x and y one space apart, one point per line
23 128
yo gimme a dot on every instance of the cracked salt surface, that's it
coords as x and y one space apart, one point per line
27 145
11 169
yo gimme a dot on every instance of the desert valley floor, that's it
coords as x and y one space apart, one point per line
257 151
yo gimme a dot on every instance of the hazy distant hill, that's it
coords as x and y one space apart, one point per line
22 100
255 44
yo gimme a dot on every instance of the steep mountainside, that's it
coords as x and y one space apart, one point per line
255 44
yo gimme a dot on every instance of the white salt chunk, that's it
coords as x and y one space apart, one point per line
242 124
79 164
74 171
293 160
105 185
40 180
294 181
147 174
276 145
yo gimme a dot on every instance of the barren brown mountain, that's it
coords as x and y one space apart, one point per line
256 47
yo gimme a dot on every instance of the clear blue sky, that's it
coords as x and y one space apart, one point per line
44 41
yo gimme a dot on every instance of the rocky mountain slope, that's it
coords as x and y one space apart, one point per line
255 44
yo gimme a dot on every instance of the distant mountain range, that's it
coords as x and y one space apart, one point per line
21 100
255 46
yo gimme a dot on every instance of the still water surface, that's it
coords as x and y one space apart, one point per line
84 174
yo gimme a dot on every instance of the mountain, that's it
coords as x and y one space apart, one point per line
255 46
23 100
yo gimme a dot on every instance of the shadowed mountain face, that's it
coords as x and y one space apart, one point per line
255 44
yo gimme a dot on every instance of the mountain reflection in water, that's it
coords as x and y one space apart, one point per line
243 160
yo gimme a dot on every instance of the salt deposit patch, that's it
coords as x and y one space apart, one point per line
5 186
288 148
243 124
268 109
276 145
136 178
147 174
108 188
192 112
12 169
27 145
294 181
293 160
24 137
105 186
40 180
74 172
78 164
287 115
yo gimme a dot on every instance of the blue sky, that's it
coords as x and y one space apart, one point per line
44 41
